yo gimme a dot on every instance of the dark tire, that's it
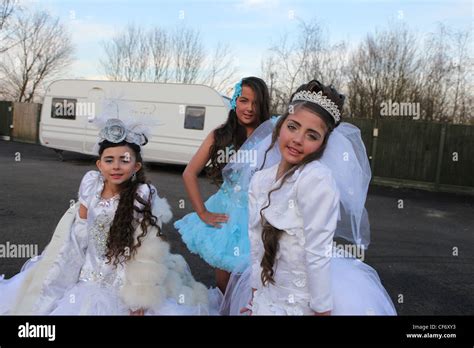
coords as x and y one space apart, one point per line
60 154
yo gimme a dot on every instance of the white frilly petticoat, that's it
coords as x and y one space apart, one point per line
356 290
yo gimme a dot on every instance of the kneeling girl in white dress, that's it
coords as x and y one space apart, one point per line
297 207
107 255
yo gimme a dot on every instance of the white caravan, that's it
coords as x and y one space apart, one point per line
182 115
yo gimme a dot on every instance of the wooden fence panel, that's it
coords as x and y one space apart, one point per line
26 122
407 150
457 167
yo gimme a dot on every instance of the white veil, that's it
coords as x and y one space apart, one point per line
345 155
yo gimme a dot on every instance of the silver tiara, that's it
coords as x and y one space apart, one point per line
321 100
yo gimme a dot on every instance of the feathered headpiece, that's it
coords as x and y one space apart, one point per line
118 122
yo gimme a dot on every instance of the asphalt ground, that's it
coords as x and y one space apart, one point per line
423 252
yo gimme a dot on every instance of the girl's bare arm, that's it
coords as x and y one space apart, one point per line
190 177
82 212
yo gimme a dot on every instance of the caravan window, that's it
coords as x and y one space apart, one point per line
194 117
63 108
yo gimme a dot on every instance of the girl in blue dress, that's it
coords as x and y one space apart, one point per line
217 230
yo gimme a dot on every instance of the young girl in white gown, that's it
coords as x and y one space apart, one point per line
295 208
107 255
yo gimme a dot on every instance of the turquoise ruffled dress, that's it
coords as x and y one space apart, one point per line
228 247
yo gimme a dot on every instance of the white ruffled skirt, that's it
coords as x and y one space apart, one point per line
356 290
94 298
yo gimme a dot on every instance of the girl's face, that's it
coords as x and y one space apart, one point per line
301 134
246 107
118 164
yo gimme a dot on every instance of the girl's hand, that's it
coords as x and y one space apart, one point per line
138 312
247 309
213 219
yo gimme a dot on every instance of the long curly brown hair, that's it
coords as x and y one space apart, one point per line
121 245
270 234
232 133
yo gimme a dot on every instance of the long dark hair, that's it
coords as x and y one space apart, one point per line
270 234
232 133
121 245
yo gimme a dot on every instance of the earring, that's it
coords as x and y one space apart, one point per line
134 176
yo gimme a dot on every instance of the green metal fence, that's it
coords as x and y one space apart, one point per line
418 154
6 119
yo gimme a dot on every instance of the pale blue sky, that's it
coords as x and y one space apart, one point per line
249 26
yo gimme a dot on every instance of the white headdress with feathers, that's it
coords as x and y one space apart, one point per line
118 122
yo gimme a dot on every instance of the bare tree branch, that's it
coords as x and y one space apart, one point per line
7 8
159 43
219 69
127 55
445 77
309 56
187 54
43 51
136 55
383 68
